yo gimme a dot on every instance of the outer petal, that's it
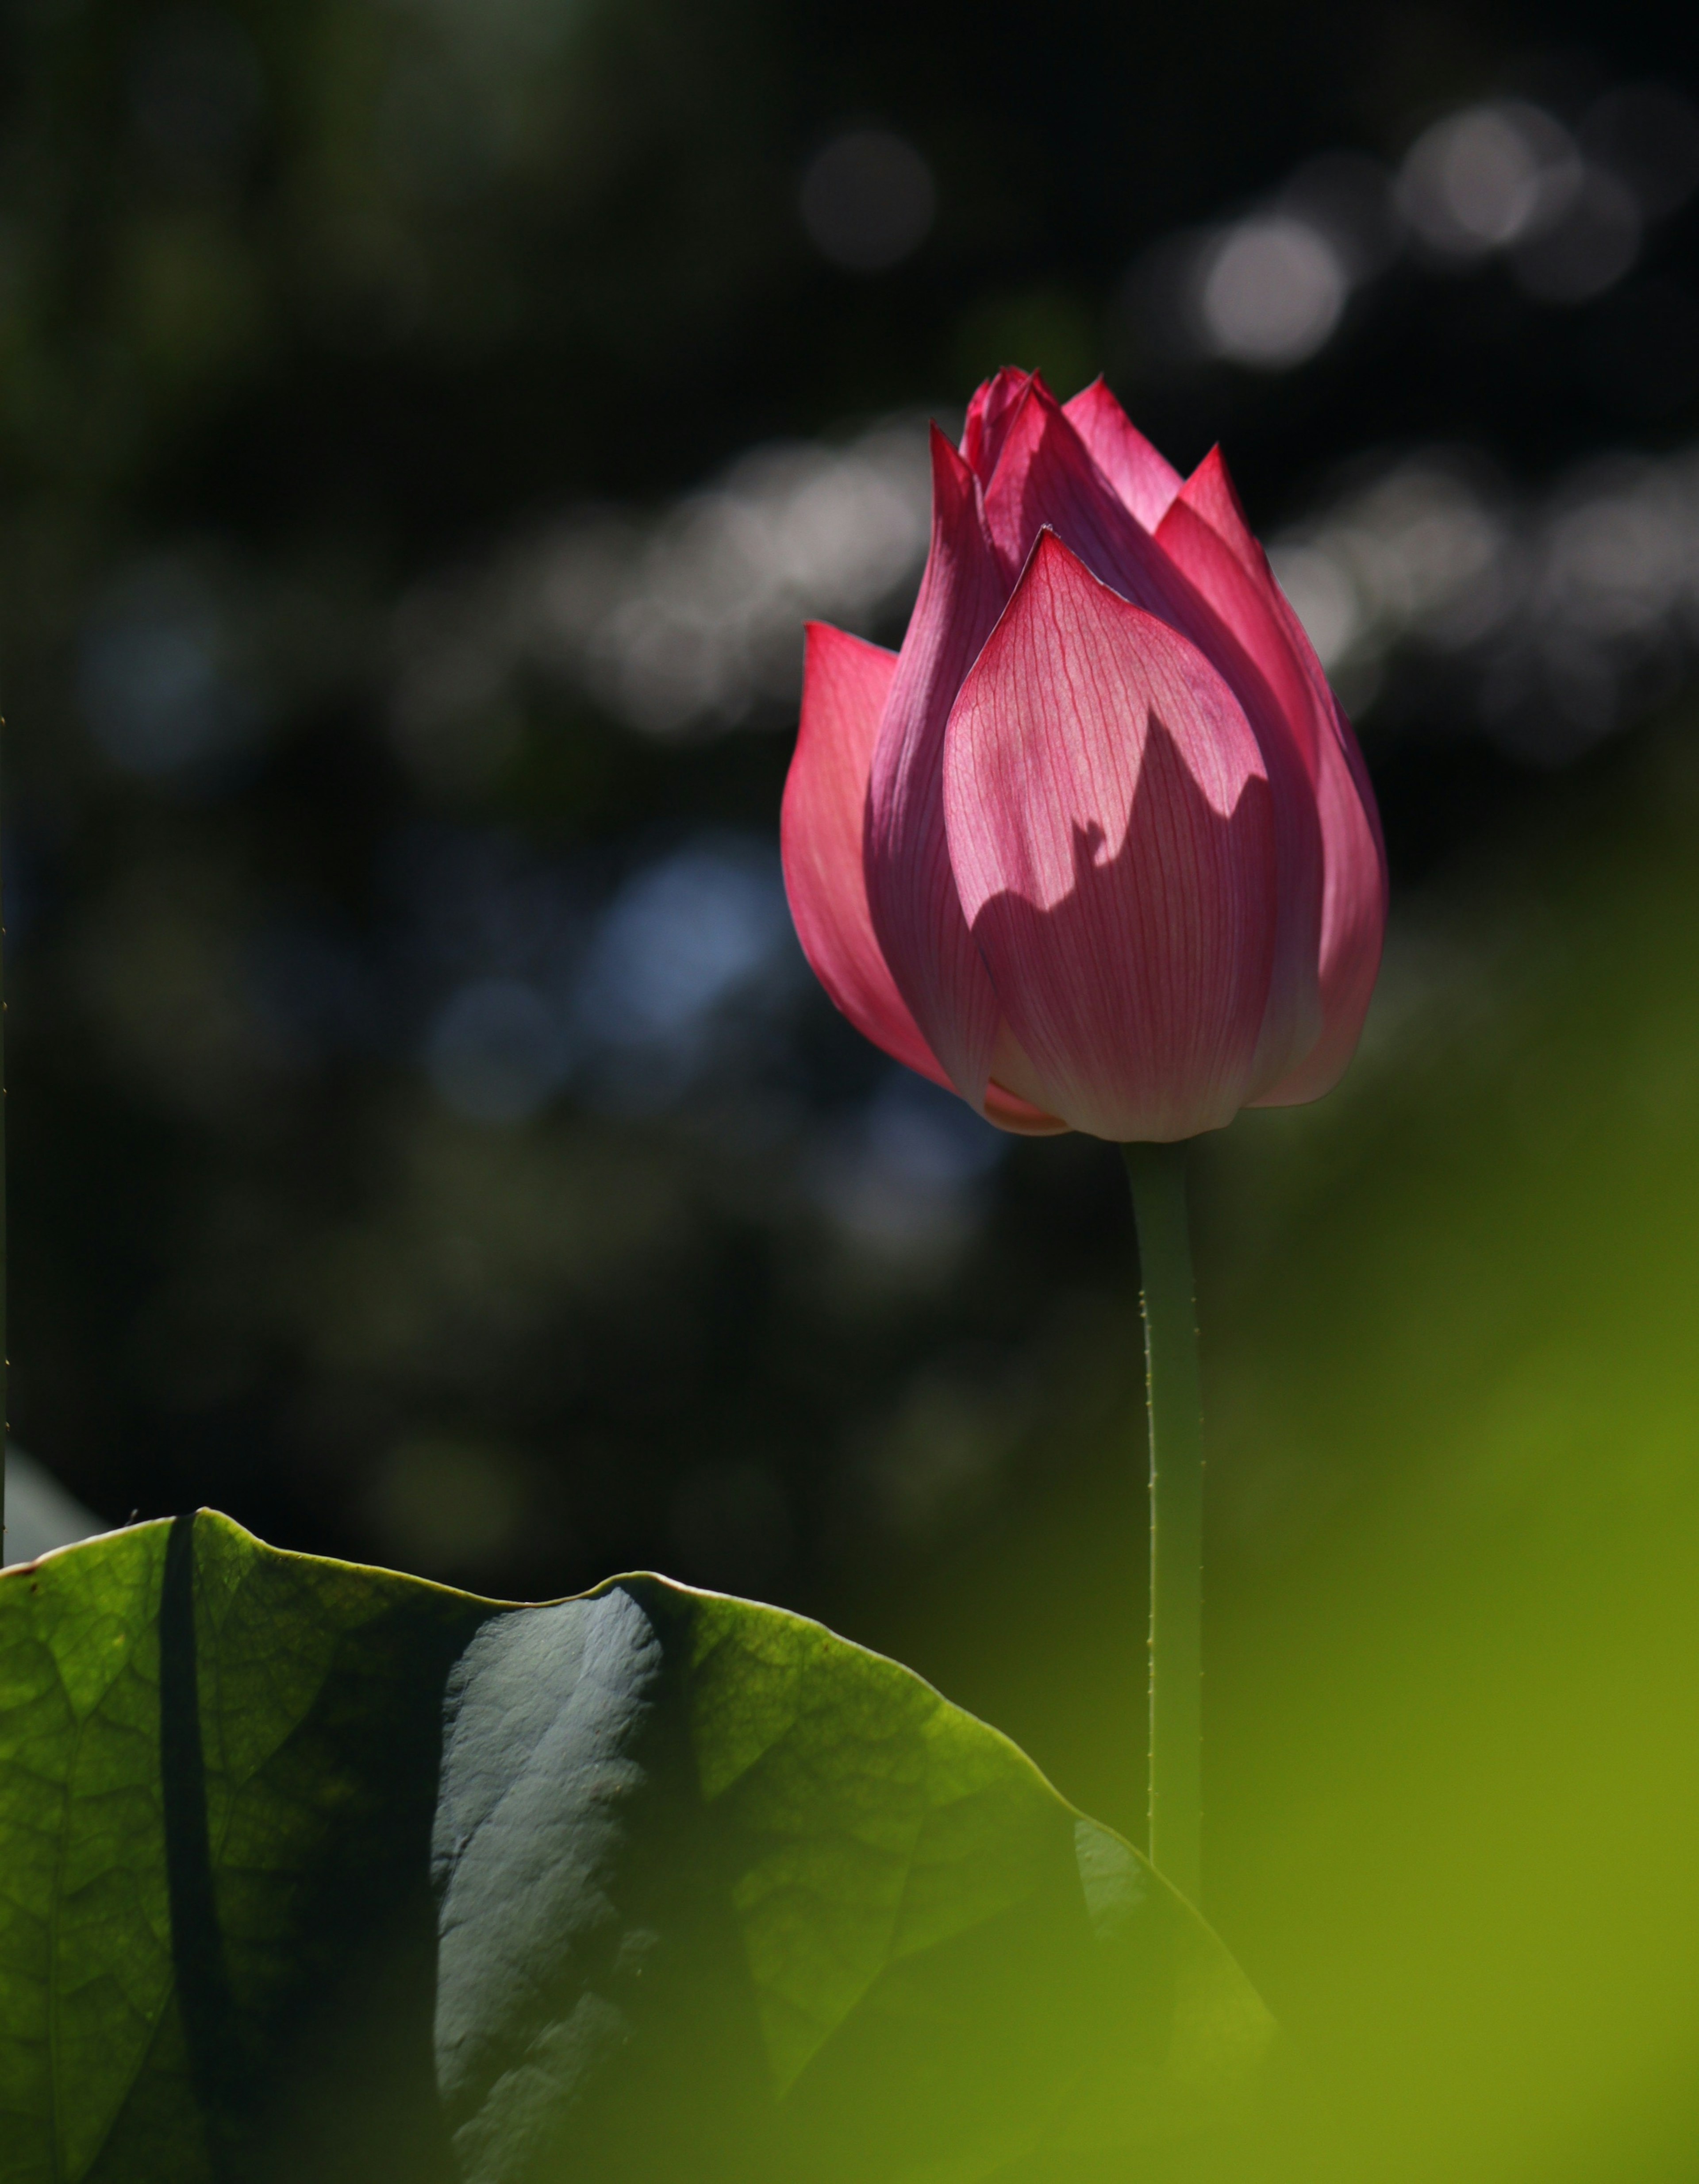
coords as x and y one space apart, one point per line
1353 919
1244 596
1045 476
988 415
1112 830
911 889
1207 535
1212 493
1145 481
845 683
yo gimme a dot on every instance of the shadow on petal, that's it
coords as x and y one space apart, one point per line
1136 996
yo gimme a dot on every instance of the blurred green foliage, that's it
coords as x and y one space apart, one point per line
1452 1411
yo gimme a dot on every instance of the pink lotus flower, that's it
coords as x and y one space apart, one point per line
1096 848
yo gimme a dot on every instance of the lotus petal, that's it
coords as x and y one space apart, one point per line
1144 482
911 889
845 684
1112 835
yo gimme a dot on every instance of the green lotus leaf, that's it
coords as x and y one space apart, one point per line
310 1871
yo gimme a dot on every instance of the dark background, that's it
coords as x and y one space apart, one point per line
425 1142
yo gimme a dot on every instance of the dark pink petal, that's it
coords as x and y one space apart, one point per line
1207 536
1247 609
1112 835
989 414
1044 477
1353 920
1353 917
1143 480
910 889
1212 493
1244 595
845 683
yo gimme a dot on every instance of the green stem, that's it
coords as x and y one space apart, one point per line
3 1375
1158 1177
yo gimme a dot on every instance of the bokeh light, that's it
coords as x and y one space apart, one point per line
1486 177
1271 292
867 200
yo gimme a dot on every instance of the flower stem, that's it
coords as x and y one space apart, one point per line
1158 1177
2 1240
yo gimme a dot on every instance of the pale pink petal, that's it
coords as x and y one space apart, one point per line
1144 481
1010 1112
989 414
845 683
1207 535
1112 833
910 889
1046 477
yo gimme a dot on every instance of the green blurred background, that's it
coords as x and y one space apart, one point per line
425 426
